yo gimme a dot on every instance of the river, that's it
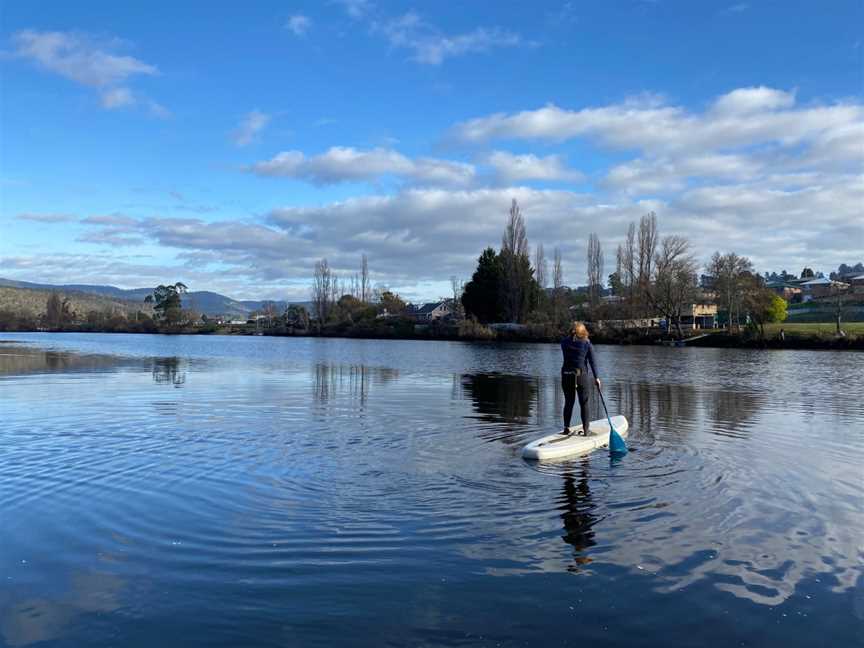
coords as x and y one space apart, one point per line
256 491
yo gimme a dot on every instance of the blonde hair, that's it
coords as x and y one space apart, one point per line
577 329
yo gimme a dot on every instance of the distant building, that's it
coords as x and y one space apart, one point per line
693 317
821 287
699 316
786 290
433 311
857 284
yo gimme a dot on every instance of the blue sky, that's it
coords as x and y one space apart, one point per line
230 145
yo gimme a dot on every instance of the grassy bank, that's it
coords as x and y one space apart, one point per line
814 328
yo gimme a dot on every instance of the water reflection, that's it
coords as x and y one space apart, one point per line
331 380
498 397
16 359
577 515
37 619
733 411
168 371
415 512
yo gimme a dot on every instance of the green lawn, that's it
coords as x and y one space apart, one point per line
813 328
854 329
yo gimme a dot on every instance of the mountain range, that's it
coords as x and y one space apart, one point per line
204 301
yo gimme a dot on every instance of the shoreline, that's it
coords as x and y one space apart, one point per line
805 342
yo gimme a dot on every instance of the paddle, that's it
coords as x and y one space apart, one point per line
616 441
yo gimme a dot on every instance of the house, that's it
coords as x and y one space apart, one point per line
633 323
857 284
434 311
699 316
784 289
702 315
821 287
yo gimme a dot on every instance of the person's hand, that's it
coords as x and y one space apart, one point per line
597 380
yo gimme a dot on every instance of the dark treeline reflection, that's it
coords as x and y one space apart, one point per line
732 411
169 371
498 397
677 409
332 380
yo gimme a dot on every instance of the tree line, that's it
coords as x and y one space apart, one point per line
655 276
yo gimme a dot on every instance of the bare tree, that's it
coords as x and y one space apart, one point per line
323 289
355 286
557 286
647 247
516 264
365 287
729 272
458 288
595 269
634 262
337 291
540 267
540 270
674 284
269 311
57 311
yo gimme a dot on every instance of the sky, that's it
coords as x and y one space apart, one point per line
232 145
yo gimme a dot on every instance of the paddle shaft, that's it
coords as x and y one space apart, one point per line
606 409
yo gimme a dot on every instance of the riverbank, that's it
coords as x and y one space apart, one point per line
794 339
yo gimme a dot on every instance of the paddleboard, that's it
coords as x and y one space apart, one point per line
558 445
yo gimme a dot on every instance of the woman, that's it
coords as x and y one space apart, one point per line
578 354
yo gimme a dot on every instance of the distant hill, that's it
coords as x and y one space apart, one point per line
203 301
32 302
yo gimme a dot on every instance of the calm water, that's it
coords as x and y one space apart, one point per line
216 491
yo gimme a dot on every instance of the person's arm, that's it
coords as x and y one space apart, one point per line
591 362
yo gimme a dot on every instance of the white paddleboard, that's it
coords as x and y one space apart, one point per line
558 446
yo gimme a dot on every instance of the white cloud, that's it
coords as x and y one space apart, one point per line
78 58
117 98
752 100
47 218
743 118
512 168
754 173
250 126
421 235
345 164
430 46
158 110
660 176
299 24
356 8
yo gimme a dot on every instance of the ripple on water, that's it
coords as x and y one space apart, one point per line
329 475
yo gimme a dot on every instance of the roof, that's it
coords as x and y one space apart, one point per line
819 281
858 278
428 308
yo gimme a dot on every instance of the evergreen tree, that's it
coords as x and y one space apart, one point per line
481 297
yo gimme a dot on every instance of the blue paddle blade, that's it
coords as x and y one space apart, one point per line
616 442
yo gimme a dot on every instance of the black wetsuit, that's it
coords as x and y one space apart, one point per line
578 354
